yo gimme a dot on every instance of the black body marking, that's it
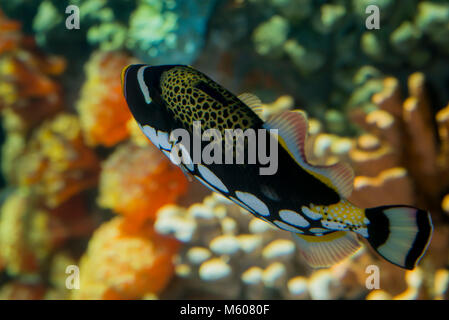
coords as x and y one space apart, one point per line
211 92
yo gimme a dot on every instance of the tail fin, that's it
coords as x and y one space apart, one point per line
400 234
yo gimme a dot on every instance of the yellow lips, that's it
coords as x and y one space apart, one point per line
122 77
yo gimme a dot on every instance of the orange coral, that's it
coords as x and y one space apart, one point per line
57 162
123 265
9 33
70 220
102 107
137 181
28 92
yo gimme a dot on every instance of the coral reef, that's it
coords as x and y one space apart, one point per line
30 232
22 291
44 161
57 162
102 107
402 158
87 191
119 265
136 181
16 253
53 172
161 31
29 91
422 161
229 254
168 32
327 44
246 258
270 36
314 51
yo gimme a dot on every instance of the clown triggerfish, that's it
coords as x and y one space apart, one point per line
309 201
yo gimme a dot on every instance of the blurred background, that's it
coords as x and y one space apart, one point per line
90 210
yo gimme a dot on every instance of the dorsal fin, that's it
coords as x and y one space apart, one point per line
293 126
253 102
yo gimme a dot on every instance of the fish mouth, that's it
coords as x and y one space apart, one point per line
122 78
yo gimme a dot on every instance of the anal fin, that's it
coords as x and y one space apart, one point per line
325 251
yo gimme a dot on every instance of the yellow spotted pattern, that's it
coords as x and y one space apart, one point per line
189 103
343 212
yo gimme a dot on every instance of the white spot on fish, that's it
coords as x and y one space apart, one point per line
309 213
287 227
206 184
318 230
150 133
186 159
294 218
253 202
211 178
334 225
162 138
238 202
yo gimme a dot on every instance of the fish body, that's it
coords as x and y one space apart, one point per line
307 200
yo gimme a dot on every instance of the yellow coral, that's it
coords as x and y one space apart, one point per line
16 290
16 250
12 148
57 162
30 232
